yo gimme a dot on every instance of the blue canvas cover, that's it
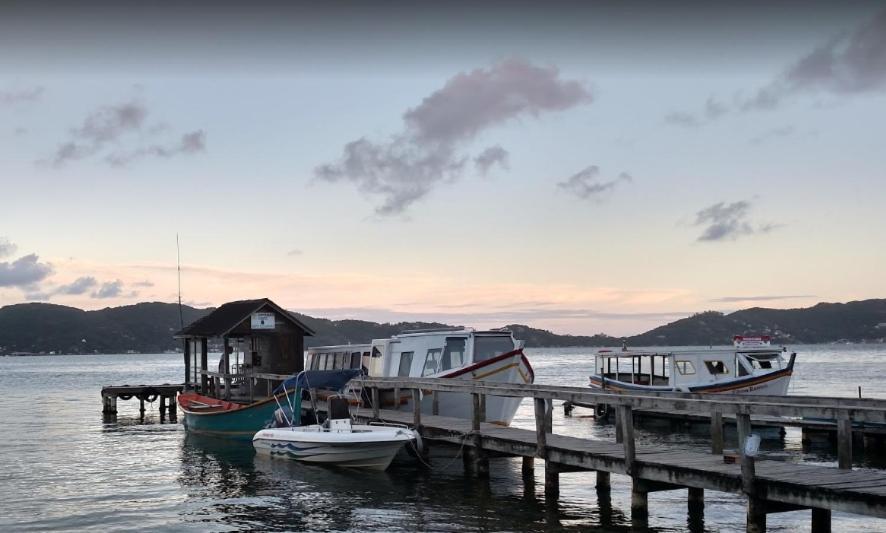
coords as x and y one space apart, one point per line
320 379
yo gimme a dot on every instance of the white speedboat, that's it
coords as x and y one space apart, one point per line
338 444
451 353
751 366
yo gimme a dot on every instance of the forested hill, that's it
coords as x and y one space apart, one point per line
148 328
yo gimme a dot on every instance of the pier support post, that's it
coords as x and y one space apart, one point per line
397 398
552 480
844 441
717 433
374 400
416 407
162 408
743 424
172 407
141 408
482 408
756 519
626 430
480 461
695 521
540 428
435 403
639 504
603 483
821 520
528 469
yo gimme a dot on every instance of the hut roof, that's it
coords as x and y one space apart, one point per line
228 316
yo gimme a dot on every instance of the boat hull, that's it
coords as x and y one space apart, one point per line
511 367
240 422
330 448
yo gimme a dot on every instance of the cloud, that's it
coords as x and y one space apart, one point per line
110 126
427 151
79 286
294 252
732 299
110 289
585 184
144 283
7 248
852 63
24 271
774 133
16 96
20 131
489 157
190 143
724 221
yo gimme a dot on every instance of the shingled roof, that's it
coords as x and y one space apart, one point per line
221 321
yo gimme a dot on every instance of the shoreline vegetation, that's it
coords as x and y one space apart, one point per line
49 329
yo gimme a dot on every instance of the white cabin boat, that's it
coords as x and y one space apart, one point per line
461 353
750 366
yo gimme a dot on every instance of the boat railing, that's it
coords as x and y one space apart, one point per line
249 383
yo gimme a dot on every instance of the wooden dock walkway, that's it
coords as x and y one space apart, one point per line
770 486
166 393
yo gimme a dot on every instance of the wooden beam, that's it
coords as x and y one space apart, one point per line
375 406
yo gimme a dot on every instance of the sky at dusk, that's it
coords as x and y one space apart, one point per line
581 167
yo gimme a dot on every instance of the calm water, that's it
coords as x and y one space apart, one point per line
62 468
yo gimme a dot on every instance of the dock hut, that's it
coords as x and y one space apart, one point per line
261 345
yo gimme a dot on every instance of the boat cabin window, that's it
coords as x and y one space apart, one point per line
716 367
321 365
432 362
488 347
405 364
454 353
757 363
355 360
376 352
339 361
685 367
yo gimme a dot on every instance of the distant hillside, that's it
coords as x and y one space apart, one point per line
861 321
148 328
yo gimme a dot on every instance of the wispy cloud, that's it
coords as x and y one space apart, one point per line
774 133
107 129
494 155
586 185
733 299
7 248
722 221
852 63
16 96
294 252
429 149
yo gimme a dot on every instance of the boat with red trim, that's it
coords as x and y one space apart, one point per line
450 353
750 366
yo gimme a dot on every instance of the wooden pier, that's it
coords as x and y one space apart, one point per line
166 393
769 486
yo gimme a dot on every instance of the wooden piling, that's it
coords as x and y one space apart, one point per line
626 425
603 483
482 408
540 429
844 442
552 480
821 520
639 504
162 407
435 403
416 408
375 406
528 468
743 423
717 433
480 462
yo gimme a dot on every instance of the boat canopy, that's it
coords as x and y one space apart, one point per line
320 379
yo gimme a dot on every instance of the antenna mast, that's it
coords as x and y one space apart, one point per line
178 256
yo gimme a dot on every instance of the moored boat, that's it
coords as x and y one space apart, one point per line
449 353
751 366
